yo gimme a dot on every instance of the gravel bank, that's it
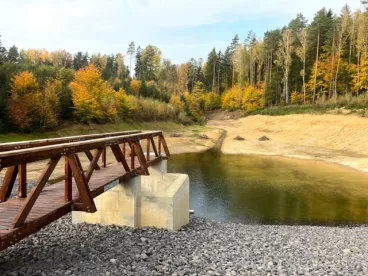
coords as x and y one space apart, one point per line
201 248
30 185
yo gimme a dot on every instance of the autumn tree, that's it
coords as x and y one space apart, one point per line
135 86
284 58
29 106
93 98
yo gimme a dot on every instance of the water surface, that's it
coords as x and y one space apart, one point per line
273 190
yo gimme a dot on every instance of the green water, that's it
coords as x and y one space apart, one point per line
273 190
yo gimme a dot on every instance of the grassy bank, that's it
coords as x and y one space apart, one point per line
69 129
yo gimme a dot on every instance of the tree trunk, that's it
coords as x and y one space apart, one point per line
304 61
358 81
214 77
232 84
315 73
332 68
218 81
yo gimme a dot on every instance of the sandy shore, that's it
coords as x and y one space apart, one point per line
340 139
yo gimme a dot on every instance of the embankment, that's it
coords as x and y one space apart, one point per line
340 139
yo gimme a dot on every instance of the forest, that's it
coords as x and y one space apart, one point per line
324 61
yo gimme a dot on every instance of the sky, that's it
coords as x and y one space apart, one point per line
182 29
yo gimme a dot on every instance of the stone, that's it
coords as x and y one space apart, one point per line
204 136
174 134
239 138
263 138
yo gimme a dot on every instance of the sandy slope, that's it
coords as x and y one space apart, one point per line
335 138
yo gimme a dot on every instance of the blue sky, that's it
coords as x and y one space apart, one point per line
181 29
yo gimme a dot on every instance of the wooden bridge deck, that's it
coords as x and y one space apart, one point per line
56 200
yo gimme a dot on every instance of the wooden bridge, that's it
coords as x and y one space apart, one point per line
29 211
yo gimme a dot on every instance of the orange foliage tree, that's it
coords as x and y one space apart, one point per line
93 98
29 106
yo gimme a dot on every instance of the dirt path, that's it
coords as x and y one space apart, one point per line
334 138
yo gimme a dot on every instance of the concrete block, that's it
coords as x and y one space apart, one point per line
160 200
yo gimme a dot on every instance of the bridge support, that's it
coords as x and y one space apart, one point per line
160 199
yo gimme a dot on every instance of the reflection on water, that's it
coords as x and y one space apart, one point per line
273 190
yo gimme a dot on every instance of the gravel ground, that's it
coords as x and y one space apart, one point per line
200 248
30 184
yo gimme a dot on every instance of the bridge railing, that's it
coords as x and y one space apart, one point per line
134 162
60 140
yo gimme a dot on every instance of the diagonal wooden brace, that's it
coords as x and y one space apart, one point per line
163 143
142 160
8 183
35 192
90 158
92 166
82 185
120 156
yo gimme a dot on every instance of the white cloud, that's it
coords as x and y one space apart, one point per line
109 25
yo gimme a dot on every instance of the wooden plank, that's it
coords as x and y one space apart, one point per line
31 199
84 191
8 183
90 158
22 180
68 187
92 166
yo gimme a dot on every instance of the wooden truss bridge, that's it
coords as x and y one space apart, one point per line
29 211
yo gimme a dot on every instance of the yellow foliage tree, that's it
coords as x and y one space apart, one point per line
230 99
135 86
253 98
93 98
177 104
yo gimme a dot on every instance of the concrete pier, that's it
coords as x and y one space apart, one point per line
160 200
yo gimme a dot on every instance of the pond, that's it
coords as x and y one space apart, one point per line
273 190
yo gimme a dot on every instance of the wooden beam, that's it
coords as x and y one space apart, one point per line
159 145
132 156
148 151
68 184
92 165
22 180
35 192
154 146
142 160
17 157
55 141
80 180
166 148
120 157
8 183
104 157
123 149
90 158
